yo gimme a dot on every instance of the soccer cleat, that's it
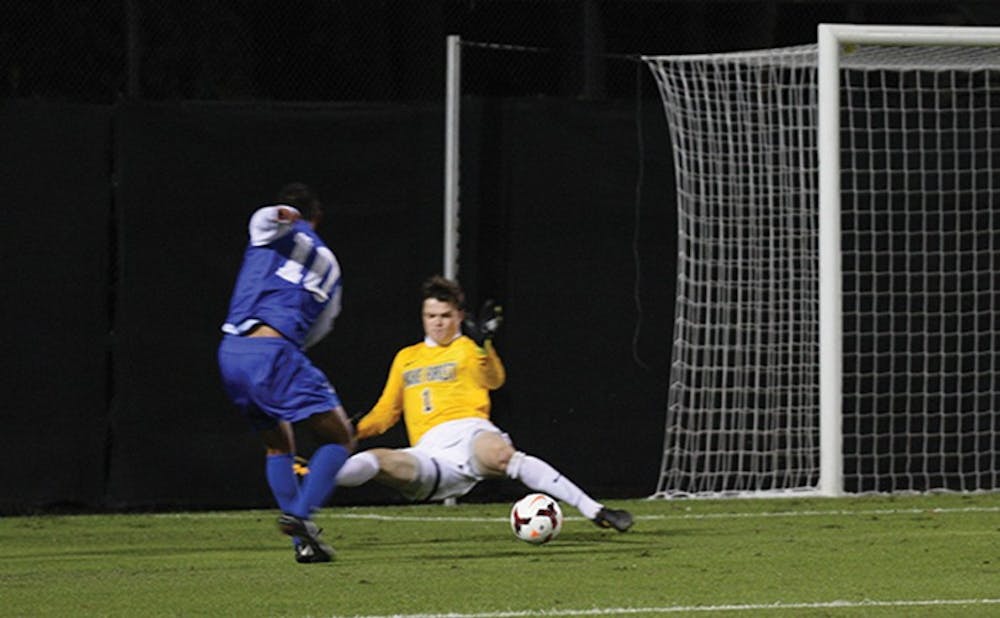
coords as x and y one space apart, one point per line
308 533
613 518
304 554
300 467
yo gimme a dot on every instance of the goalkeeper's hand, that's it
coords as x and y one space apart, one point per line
484 327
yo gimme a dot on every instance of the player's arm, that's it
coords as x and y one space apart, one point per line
389 407
491 370
481 330
269 223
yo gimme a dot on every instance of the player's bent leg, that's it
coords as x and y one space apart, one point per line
334 432
280 470
358 469
336 436
541 476
314 492
332 427
319 484
281 478
397 469
415 474
491 452
279 464
279 439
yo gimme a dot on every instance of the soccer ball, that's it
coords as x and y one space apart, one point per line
536 518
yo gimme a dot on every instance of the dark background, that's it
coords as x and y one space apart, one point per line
137 138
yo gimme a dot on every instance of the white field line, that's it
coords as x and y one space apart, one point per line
669 609
693 516
334 513
683 609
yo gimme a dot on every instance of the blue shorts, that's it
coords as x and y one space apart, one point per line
270 380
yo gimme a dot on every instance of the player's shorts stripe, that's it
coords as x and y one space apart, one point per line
437 480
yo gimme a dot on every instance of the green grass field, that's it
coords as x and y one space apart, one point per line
875 556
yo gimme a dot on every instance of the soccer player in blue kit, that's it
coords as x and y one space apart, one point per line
286 297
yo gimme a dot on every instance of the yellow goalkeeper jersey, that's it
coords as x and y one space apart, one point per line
430 384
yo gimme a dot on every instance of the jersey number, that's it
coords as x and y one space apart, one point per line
426 396
320 279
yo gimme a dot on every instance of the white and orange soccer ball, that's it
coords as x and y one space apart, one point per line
536 518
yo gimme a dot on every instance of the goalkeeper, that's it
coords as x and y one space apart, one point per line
440 387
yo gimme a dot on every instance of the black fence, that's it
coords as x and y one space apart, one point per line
126 225
138 137
99 51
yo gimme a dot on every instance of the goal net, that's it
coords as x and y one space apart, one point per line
837 326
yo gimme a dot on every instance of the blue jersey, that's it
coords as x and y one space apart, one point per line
289 280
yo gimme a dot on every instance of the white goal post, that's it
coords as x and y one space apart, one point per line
452 116
837 321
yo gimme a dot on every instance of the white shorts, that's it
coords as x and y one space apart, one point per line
447 466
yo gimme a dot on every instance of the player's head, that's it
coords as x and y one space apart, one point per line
304 199
441 311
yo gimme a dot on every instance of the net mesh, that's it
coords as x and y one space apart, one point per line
921 304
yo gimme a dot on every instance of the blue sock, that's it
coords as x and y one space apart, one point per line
284 484
281 478
321 480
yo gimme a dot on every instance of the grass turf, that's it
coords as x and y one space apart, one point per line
874 556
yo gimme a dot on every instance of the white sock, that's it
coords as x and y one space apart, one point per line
358 470
541 476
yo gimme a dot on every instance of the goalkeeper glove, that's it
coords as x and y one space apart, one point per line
486 325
